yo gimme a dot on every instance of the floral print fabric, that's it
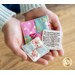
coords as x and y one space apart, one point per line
35 49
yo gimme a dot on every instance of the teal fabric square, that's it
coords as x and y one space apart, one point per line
27 38
43 50
41 23
28 48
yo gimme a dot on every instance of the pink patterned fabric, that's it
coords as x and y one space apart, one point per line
37 35
28 27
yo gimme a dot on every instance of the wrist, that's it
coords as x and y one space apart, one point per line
7 23
35 13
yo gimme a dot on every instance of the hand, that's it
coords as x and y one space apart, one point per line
13 37
54 22
14 40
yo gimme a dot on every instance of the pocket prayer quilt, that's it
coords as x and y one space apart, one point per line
35 49
33 28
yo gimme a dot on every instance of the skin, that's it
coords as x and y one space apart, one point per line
13 35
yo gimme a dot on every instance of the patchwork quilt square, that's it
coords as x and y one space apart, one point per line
35 49
33 28
52 39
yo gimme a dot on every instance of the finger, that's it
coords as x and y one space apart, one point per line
39 61
54 53
21 53
42 61
61 52
49 53
18 51
56 23
48 57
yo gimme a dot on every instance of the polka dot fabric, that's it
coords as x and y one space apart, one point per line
28 27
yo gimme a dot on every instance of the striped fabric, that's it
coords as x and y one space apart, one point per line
5 14
27 7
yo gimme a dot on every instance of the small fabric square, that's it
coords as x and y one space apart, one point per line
42 23
43 50
36 42
36 35
34 55
28 27
35 49
52 39
27 38
28 47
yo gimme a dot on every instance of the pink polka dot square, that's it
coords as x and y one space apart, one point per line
28 27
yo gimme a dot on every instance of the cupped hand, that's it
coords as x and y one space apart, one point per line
54 22
13 37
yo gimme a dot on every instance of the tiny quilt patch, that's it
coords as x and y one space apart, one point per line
33 28
35 49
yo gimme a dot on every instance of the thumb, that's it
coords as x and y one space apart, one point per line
19 52
22 54
56 23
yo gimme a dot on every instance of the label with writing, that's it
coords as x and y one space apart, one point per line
52 39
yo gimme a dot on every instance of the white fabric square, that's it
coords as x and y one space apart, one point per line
34 55
52 39
36 42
